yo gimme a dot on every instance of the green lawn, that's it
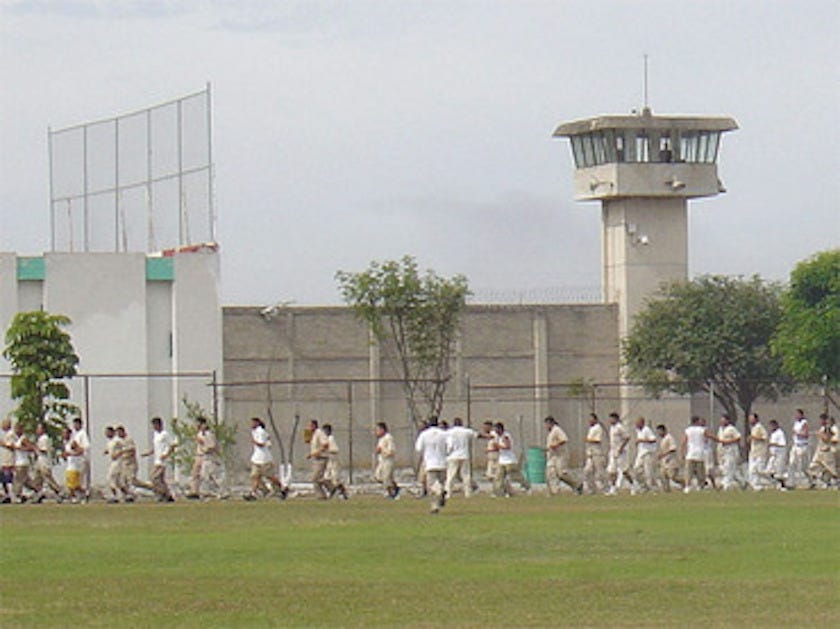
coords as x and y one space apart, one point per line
736 559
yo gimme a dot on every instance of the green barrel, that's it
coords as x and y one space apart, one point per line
535 465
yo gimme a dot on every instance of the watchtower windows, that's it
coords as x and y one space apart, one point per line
699 146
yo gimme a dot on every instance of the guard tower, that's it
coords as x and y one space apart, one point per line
644 168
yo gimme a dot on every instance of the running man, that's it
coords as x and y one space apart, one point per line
694 450
644 467
163 445
431 446
385 452
557 460
113 454
822 466
80 436
73 455
43 474
618 463
318 447
759 449
23 448
776 459
508 464
262 463
458 440
667 456
729 454
594 469
333 472
491 452
7 458
798 463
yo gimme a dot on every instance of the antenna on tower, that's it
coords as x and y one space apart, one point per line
646 104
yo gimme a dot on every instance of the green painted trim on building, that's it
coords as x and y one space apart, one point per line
30 268
160 270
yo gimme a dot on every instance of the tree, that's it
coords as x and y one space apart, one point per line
710 334
415 318
808 336
41 355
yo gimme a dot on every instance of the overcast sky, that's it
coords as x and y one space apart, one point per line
347 132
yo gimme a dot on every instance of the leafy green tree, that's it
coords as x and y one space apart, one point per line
711 334
42 356
415 318
808 336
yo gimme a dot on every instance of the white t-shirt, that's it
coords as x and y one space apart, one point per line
458 443
44 446
385 443
21 456
161 443
82 440
778 441
262 453
507 456
74 461
431 444
647 440
695 437
618 435
800 437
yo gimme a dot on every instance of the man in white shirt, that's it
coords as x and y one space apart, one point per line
823 465
509 469
458 440
128 465
162 447
73 454
23 448
619 463
557 459
80 436
776 459
262 463
491 451
667 456
385 452
7 458
431 446
645 464
594 469
693 447
729 454
759 450
798 464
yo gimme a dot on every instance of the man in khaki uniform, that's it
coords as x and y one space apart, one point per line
556 459
644 467
318 447
333 472
42 470
491 452
594 469
619 462
128 465
823 465
385 452
667 456
7 458
23 447
113 454
759 450
729 455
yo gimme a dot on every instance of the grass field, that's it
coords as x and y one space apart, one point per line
736 559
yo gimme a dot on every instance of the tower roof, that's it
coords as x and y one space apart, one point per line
645 120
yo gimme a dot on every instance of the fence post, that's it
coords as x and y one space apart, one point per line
215 385
350 428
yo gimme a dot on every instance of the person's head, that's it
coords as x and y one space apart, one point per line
6 424
640 423
487 427
327 429
381 429
201 424
432 421
593 419
66 434
121 432
696 420
499 427
549 422
661 430
724 419
774 425
754 419
18 429
457 422
157 424
40 429
444 425
614 418
77 423
824 420
313 425
109 432
256 422
800 413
